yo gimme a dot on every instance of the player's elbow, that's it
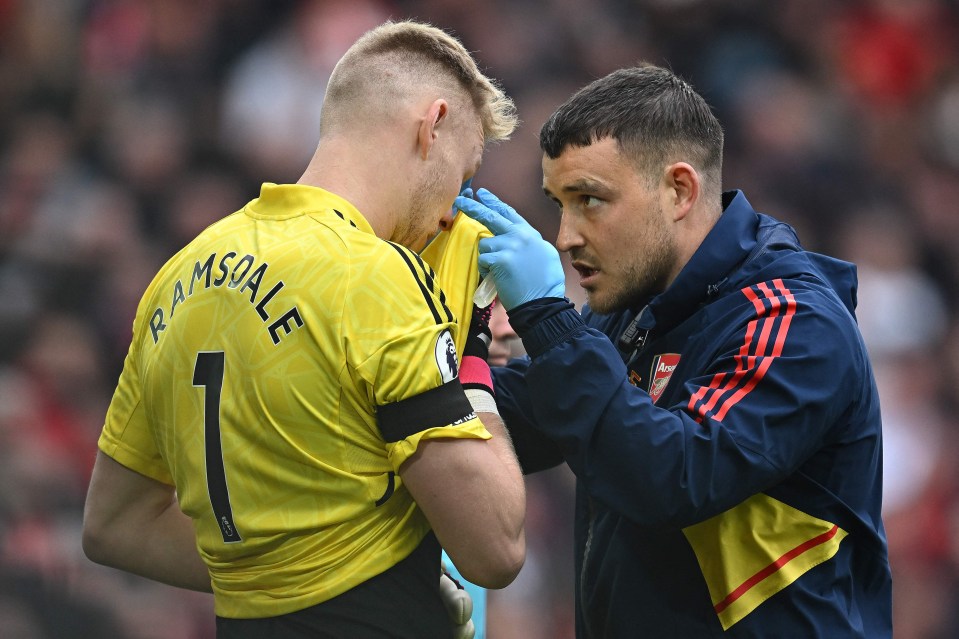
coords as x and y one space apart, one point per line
94 545
497 569
507 568
97 543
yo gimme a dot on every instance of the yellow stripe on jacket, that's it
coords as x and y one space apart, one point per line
754 550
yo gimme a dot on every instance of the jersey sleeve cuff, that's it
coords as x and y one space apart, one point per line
127 457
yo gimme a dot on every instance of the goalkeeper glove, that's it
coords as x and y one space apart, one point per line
458 604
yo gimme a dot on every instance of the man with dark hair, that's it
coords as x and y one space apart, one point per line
714 398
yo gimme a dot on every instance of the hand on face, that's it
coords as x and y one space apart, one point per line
523 265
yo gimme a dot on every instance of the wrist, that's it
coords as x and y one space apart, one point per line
477 381
481 400
545 322
527 315
475 374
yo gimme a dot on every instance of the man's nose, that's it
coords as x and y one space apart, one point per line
568 236
446 222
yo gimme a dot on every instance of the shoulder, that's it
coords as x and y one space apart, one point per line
375 259
399 281
800 316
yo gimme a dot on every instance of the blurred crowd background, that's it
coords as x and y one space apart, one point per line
127 126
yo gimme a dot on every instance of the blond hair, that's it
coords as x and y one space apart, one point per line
389 62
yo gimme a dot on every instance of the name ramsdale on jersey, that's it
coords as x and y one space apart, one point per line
239 277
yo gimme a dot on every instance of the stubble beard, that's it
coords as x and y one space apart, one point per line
422 218
644 277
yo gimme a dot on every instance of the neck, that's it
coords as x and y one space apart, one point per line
359 175
693 229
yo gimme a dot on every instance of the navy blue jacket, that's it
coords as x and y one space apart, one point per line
728 459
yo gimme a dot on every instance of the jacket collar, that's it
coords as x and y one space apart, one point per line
725 247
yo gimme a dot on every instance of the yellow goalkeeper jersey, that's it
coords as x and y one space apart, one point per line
284 365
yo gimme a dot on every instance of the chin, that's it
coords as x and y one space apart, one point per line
597 303
605 304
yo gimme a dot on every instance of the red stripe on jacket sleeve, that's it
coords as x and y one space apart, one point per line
741 367
750 369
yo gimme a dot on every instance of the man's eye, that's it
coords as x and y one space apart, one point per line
589 201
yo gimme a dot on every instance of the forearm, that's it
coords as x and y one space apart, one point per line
505 486
505 490
134 523
484 532
473 495
170 553
163 550
509 492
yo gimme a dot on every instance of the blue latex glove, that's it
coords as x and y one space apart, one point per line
523 265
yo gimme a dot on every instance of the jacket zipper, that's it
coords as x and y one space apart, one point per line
582 571
634 338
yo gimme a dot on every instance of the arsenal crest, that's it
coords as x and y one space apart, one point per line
662 370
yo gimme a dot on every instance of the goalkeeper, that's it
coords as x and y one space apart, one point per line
291 404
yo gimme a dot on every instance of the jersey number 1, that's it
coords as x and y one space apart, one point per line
208 373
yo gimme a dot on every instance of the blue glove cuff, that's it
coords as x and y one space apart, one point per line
545 322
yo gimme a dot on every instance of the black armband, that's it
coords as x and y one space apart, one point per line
440 406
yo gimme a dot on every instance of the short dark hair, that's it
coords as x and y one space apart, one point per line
654 115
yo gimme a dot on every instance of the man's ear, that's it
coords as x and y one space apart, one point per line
681 188
426 134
